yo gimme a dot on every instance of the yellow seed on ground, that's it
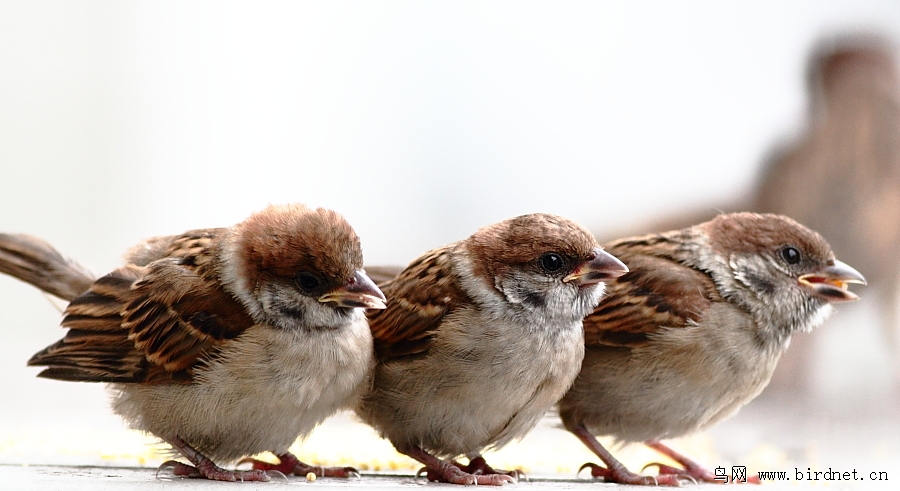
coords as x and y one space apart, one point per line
311 476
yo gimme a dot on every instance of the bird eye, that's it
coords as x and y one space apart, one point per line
790 255
307 281
551 262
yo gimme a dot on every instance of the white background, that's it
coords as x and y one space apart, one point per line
419 121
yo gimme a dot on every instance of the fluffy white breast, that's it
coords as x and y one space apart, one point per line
487 380
260 393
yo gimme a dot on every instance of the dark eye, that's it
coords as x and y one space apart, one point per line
307 281
551 262
790 255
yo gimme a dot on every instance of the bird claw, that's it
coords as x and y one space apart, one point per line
179 469
212 472
277 472
624 476
519 475
430 475
478 466
596 470
454 475
692 475
290 465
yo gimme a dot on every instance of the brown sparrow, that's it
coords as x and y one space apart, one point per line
694 330
223 342
842 177
480 339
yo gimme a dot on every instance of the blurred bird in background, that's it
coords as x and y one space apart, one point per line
841 177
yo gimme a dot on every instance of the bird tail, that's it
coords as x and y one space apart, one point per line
34 261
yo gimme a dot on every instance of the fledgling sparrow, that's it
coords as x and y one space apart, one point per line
694 331
223 342
842 176
481 338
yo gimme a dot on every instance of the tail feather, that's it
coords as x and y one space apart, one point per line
36 262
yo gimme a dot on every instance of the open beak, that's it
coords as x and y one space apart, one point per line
830 284
599 266
358 292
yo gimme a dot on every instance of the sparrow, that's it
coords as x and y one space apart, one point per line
841 177
222 342
694 331
481 338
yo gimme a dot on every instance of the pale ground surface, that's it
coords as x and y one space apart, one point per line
119 478
763 437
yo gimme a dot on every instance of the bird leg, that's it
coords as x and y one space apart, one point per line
440 470
203 467
479 466
689 468
615 471
290 464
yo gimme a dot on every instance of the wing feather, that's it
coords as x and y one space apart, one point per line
418 300
661 291
152 323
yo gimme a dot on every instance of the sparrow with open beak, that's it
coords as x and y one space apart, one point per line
694 331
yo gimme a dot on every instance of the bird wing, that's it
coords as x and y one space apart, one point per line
660 291
418 300
151 323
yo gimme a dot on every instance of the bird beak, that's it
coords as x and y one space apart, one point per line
830 284
599 266
359 291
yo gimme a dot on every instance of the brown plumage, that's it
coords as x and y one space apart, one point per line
34 261
842 176
480 338
653 294
149 323
420 300
225 342
694 331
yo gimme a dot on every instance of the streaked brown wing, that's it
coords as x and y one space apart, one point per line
177 315
96 347
658 292
151 323
418 299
